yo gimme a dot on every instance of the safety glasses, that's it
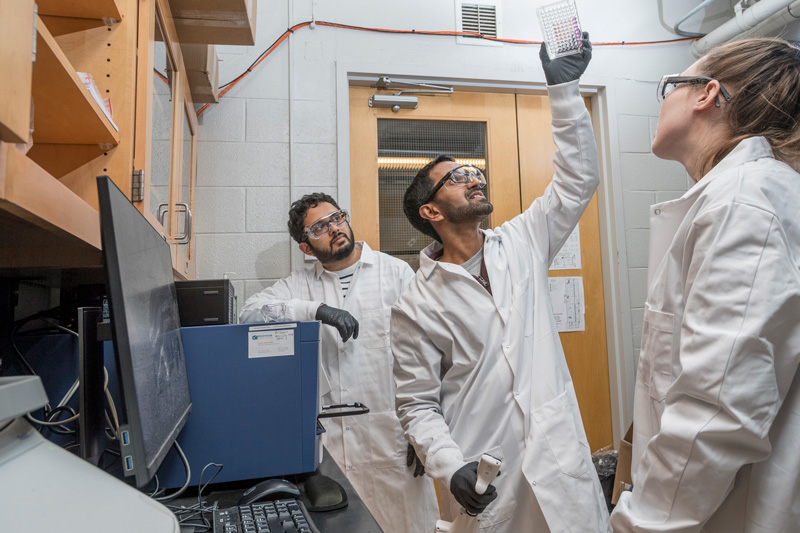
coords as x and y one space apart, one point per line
323 225
462 175
671 81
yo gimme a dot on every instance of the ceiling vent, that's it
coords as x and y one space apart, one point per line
478 18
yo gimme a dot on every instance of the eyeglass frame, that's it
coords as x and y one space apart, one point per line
448 176
309 234
675 79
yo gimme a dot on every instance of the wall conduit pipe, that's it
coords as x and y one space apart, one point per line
766 15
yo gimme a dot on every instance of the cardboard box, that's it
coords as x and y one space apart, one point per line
202 71
215 21
622 479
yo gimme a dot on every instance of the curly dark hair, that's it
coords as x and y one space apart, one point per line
419 189
297 213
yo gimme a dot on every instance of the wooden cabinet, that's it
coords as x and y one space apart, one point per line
166 118
215 21
48 195
16 21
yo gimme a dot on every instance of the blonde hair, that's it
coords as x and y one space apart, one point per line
763 76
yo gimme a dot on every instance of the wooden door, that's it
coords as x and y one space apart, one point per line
520 150
585 350
494 109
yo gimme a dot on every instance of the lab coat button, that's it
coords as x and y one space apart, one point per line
533 483
347 428
657 211
516 393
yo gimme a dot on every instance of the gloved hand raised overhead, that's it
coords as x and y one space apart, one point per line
462 487
343 321
566 68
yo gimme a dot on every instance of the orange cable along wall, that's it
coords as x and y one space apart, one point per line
228 86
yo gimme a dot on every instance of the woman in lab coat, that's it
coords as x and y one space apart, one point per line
717 410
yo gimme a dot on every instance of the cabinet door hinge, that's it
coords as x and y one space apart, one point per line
35 17
137 186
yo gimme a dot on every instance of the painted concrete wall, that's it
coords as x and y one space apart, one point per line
283 131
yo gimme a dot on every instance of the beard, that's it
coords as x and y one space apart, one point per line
331 254
472 212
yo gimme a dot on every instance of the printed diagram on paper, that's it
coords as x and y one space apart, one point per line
566 296
270 343
569 256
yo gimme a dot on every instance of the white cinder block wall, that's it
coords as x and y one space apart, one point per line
283 131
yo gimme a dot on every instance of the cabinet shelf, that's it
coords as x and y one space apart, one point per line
44 223
64 111
215 21
83 9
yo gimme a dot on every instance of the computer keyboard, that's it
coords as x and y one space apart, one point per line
279 516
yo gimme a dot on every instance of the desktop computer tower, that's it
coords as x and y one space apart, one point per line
206 302
255 400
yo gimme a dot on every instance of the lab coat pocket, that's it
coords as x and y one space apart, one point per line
556 421
657 333
387 445
373 328
502 508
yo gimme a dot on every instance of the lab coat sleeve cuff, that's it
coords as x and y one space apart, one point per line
565 100
443 464
301 310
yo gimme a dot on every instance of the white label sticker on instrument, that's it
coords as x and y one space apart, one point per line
271 343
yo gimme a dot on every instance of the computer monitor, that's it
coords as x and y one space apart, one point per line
145 332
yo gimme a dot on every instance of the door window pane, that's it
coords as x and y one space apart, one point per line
405 146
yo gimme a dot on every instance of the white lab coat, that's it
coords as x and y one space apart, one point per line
370 449
479 373
716 444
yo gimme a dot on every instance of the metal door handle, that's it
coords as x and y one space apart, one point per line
163 209
187 233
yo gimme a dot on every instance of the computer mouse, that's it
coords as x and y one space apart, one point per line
269 490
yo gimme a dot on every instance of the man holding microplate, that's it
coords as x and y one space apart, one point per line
479 366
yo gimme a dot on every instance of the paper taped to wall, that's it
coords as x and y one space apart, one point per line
569 256
566 297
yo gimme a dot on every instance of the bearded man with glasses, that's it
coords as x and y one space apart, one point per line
479 367
351 289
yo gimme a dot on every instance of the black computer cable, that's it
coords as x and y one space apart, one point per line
188 514
56 426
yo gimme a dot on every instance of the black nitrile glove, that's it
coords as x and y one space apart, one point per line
462 487
566 68
411 458
340 319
